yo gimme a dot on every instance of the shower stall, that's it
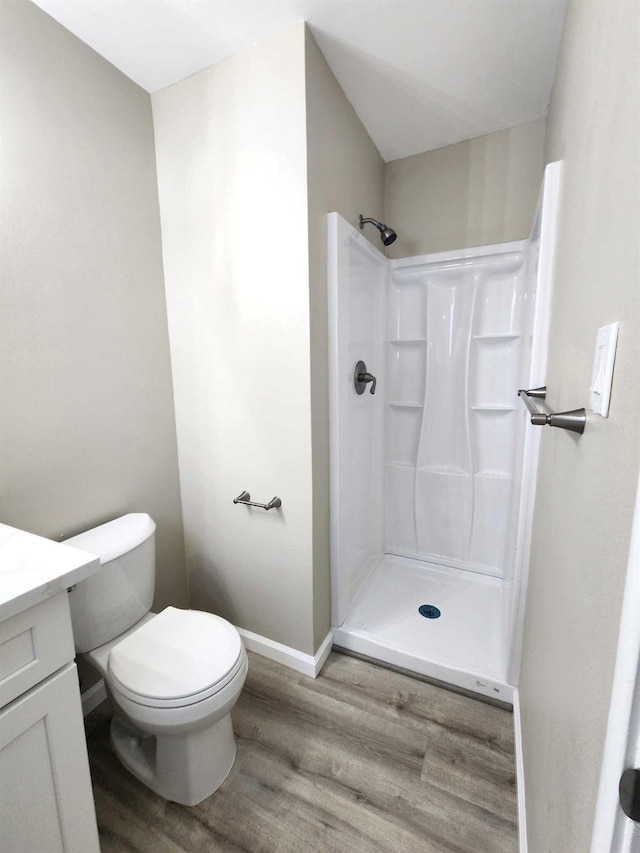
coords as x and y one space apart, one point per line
433 475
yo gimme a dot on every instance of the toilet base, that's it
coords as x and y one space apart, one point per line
185 768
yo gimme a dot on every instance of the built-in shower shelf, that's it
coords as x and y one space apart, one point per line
492 337
406 405
435 469
400 341
491 407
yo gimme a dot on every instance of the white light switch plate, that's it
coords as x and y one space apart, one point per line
600 390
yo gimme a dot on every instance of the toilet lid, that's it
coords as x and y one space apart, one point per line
175 655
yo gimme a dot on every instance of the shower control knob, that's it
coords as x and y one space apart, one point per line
629 791
361 378
368 377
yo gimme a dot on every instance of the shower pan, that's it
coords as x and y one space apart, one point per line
433 476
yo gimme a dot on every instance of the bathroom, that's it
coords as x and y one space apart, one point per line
235 232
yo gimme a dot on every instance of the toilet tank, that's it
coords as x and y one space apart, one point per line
119 595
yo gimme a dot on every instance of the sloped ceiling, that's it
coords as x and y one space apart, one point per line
420 73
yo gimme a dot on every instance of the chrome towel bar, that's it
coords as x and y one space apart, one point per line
245 498
574 420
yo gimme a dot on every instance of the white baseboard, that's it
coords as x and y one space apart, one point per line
522 816
92 697
306 664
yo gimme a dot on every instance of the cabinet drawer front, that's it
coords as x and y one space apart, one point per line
33 644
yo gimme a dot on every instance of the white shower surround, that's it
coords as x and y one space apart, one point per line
456 349
433 477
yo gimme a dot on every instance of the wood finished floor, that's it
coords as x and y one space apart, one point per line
360 760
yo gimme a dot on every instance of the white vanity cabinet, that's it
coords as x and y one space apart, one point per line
46 801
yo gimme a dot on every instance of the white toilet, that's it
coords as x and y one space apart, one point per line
174 676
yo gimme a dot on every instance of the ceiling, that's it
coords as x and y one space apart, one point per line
420 73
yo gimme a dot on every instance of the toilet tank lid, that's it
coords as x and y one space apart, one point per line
115 538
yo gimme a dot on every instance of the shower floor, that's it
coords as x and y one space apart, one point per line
465 646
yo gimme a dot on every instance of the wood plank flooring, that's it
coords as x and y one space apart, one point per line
361 760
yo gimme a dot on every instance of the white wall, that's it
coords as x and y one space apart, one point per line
231 155
474 193
345 173
86 426
586 485
252 154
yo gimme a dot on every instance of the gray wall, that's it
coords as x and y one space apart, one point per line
345 173
474 193
86 428
586 486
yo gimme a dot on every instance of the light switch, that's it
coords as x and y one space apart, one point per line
600 391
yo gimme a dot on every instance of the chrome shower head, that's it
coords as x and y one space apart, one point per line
387 235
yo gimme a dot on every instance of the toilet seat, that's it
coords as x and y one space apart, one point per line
177 658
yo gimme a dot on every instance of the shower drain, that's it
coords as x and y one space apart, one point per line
429 611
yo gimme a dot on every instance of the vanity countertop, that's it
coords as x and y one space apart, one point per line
33 568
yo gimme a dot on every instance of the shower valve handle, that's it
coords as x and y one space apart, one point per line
368 377
361 378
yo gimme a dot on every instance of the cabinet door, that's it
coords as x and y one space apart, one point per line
46 802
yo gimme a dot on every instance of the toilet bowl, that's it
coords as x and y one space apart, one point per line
173 676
